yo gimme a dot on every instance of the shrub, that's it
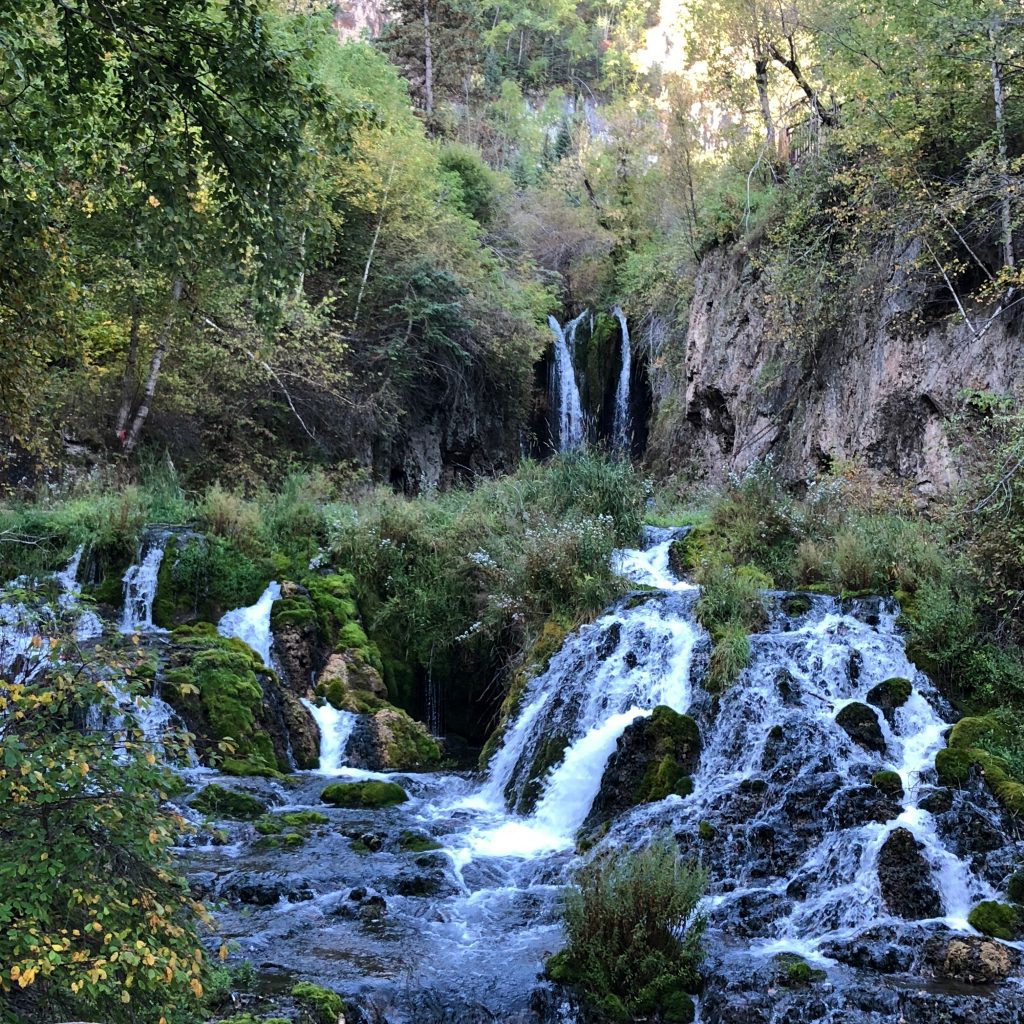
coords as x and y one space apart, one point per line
96 922
634 935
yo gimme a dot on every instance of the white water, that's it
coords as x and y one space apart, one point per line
565 390
622 426
88 625
140 585
650 566
252 623
335 730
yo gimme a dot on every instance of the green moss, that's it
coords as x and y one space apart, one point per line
796 604
364 794
999 920
795 972
408 746
417 842
319 1005
892 693
302 821
293 611
351 635
220 802
954 764
549 752
706 831
888 782
676 742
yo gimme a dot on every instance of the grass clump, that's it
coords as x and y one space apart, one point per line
731 605
634 934
364 794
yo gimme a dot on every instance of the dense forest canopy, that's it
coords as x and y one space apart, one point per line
226 231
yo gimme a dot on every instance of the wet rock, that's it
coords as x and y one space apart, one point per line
653 758
264 889
860 723
905 878
609 641
423 883
970 959
372 841
220 802
297 644
303 733
936 801
861 804
752 914
877 949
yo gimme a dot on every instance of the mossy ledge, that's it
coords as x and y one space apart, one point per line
221 802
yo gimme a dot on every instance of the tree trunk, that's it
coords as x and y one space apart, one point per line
761 78
154 369
128 379
428 62
998 95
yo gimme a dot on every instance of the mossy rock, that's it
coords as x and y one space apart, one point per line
794 971
954 764
706 831
290 821
548 643
795 605
998 920
221 802
888 782
549 752
860 723
318 1005
417 842
368 794
891 694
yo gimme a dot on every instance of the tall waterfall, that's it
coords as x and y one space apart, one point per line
140 583
252 623
622 425
565 391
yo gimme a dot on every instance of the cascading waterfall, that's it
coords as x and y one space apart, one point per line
335 730
565 392
252 623
140 582
622 425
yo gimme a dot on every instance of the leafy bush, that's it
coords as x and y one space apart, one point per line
634 934
95 922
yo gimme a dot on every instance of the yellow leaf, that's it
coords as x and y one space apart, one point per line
223 952
196 987
126 997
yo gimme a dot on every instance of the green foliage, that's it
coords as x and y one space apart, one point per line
364 794
634 938
95 922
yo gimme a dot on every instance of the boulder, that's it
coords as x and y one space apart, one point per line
302 731
860 723
890 694
653 758
364 794
297 644
905 878
971 959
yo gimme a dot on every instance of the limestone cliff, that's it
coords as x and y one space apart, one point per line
878 389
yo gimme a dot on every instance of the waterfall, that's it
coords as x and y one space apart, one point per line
565 391
622 426
252 623
140 583
335 729
88 624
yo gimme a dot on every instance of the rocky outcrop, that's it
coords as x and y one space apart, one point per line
653 759
905 878
860 723
877 388
970 959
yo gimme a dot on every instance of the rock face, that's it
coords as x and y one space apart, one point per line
971 959
905 877
876 389
653 758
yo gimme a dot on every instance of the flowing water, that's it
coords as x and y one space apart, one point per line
565 392
140 582
623 427
252 624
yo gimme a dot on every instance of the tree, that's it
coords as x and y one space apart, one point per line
94 919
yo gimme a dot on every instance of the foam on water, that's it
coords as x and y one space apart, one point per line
252 623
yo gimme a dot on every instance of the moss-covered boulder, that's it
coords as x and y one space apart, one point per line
997 920
1015 886
220 802
861 724
793 971
369 794
548 753
350 683
654 758
318 1005
890 694
888 782
966 751
299 648
404 743
242 718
